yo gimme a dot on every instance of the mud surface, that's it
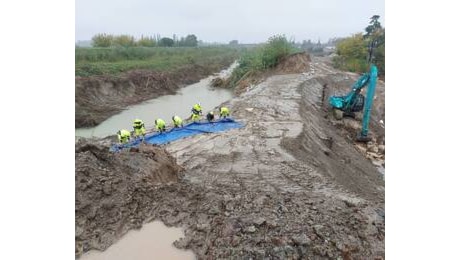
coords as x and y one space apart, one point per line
289 185
99 97
112 190
294 63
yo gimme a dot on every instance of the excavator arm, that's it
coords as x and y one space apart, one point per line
354 101
348 103
362 136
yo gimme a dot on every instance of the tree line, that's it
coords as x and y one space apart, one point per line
352 52
109 40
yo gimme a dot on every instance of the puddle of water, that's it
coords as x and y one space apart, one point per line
153 241
164 107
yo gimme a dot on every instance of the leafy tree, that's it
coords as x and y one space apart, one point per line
375 36
124 41
233 42
353 47
146 42
102 40
373 27
353 51
191 40
276 48
166 42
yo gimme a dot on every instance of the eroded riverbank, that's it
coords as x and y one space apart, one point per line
164 107
99 97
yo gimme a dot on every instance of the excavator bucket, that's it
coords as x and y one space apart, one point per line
363 139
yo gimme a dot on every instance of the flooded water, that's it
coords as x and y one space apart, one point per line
164 107
152 241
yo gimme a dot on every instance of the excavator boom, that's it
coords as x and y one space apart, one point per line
362 136
353 101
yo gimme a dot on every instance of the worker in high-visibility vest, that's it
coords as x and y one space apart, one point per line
195 117
224 112
139 128
196 109
160 125
177 121
123 136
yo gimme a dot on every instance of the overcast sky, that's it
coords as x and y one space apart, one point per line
248 21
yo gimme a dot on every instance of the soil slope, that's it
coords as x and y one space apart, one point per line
113 190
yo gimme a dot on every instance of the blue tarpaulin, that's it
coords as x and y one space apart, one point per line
182 132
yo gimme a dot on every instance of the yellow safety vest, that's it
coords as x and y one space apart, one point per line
177 121
195 117
224 111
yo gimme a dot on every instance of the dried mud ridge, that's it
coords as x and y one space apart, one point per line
289 185
99 97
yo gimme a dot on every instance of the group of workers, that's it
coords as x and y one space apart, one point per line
124 136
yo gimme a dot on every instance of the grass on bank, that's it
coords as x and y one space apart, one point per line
100 61
261 58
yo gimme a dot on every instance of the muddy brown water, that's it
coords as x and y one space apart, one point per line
164 107
152 241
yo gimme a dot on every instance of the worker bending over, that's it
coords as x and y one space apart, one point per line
123 136
210 116
196 109
177 121
224 112
160 125
196 113
139 128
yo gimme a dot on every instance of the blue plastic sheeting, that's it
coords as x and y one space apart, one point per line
182 132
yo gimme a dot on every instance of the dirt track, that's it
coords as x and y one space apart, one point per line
288 185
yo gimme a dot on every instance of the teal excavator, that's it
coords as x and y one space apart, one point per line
354 101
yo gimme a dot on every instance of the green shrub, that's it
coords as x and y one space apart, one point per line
276 48
124 41
261 58
102 40
353 51
146 42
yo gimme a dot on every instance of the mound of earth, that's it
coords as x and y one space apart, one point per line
113 190
291 64
294 63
